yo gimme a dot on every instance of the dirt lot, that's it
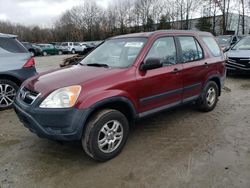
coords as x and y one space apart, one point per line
177 148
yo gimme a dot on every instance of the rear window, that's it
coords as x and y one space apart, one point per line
212 45
12 45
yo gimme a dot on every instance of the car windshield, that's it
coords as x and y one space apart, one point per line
223 40
117 53
243 44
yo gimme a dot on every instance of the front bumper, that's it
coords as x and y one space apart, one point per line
54 124
237 68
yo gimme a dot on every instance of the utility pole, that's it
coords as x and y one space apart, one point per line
243 17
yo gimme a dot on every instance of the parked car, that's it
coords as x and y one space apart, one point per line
32 48
56 44
226 41
238 57
49 49
16 65
87 49
126 78
71 47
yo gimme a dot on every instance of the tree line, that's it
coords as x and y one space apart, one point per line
89 21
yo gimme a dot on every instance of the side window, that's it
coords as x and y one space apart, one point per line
212 45
191 49
164 49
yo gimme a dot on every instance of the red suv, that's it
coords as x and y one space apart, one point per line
126 78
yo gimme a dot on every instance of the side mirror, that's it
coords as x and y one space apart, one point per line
151 63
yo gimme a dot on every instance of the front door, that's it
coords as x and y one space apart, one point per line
162 87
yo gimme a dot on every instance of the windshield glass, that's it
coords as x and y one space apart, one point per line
223 40
118 53
243 44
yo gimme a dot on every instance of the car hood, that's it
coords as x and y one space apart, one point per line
76 75
239 53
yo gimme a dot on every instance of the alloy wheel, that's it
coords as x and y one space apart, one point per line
110 136
211 96
7 95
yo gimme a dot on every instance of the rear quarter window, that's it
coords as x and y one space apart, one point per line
12 45
212 45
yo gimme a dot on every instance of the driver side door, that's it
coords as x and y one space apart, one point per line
161 88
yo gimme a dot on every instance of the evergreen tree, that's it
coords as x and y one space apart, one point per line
164 23
204 24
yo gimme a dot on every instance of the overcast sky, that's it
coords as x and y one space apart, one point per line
37 12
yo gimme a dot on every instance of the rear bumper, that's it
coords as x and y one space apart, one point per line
54 124
23 74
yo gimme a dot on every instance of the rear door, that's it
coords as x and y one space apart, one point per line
160 88
194 67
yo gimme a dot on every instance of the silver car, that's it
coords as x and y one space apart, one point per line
71 47
16 65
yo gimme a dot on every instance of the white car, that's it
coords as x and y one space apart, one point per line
71 47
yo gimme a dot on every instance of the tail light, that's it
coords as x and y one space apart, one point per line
30 63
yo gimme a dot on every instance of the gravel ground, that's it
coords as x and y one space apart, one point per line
177 148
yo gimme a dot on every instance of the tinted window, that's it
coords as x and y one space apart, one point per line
27 45
76 44
191 49
212 46
165 50
12 45
64 44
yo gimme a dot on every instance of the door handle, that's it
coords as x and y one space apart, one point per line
175 71
206 64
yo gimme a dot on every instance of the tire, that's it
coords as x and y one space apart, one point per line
209 97
32 53
60 52
45 53
94 132
73 51
8 91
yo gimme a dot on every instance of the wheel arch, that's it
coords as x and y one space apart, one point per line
217 80
121 104
11 78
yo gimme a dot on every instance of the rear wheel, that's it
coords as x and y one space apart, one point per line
209 97
105 135
45 53
60 52
32 52
73 51
8 91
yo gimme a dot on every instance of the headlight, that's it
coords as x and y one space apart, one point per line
62 98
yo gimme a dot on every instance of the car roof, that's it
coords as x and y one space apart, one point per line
159 32
2 35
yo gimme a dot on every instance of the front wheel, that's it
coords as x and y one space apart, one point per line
209 97
60 52
105 135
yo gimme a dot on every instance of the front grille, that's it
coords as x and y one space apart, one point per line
241 62
27 96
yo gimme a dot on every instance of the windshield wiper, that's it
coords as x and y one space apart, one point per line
98 65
